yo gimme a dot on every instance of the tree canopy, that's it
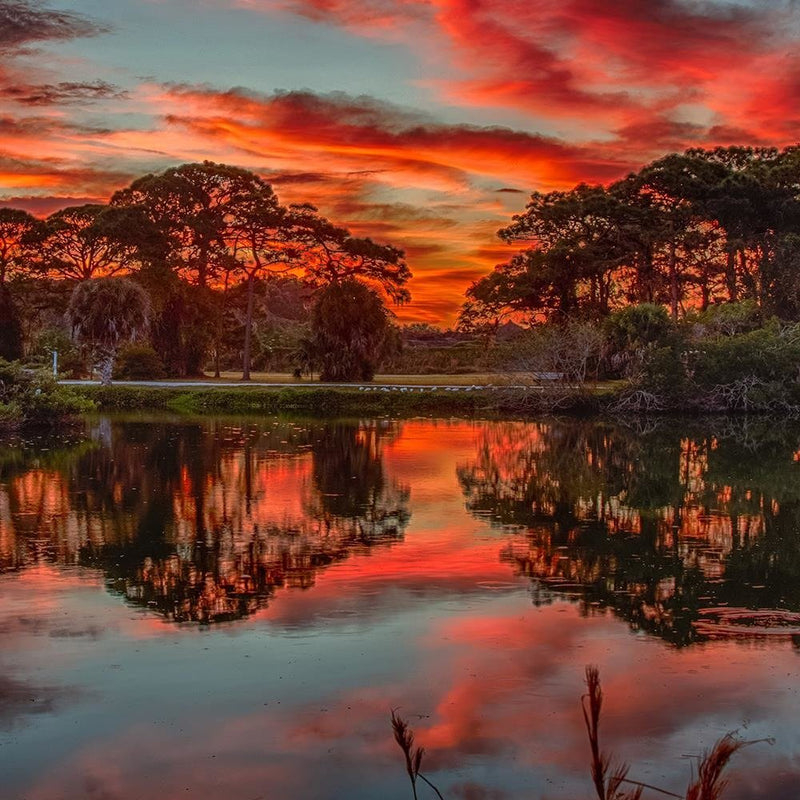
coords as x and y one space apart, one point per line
686 231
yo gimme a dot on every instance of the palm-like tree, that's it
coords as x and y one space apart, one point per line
105 313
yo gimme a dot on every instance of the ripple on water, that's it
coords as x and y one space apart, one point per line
747 623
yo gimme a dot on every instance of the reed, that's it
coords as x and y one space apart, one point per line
611 781
404 737
709 784
608 786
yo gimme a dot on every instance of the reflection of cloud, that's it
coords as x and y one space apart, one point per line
18 699
436 626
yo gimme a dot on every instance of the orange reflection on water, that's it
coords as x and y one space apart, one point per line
464 572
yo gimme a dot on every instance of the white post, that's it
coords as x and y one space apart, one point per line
55 364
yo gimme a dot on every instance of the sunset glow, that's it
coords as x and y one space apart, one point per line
423 123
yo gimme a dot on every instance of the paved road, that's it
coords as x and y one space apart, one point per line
362 387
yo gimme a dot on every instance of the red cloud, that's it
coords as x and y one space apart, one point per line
622 82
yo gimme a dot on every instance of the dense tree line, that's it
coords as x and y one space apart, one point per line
686 231
214 250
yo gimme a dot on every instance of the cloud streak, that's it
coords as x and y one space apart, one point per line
587 91
23 22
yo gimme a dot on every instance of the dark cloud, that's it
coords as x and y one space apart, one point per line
44 206
24 22
65 92
298 177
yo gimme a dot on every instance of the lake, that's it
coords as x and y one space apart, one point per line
225 607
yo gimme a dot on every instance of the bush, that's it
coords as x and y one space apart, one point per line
33 397
729 319
71 359
138 362
631 333
565 354
754 371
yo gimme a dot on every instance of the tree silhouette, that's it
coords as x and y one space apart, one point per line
90 241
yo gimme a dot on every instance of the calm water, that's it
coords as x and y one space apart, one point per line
227 608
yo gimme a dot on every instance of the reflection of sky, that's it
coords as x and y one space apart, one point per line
294 701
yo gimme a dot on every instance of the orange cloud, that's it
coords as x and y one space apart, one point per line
594 90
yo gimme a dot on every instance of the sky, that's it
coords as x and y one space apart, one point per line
421 123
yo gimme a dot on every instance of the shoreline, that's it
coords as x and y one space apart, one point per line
326 400
338 399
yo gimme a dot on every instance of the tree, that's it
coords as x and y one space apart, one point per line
687 230
350 330
265 239
16 229
574 242
106 313
10 328
216 220
91 241
16 232
332 255
191 206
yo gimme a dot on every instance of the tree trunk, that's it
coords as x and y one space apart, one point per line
220 325
730 278
106 367
248 327
673 279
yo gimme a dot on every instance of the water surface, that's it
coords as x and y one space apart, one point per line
230 608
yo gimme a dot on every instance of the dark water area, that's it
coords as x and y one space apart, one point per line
230 608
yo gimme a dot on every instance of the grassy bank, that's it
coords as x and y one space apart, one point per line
615 399
324 401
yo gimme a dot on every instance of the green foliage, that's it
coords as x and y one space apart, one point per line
314 401
728 319
637 326
350 332
631 333
33 397
71 358
757 370
138 362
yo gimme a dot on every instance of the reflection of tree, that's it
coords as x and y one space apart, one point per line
657 526
350 483
203 521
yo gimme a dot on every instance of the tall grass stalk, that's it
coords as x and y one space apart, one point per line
404 737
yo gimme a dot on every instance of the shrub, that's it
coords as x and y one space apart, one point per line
631 333
33 397
729 319
71 359
138 362
754 371
567 354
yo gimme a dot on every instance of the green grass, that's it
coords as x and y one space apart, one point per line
320 401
